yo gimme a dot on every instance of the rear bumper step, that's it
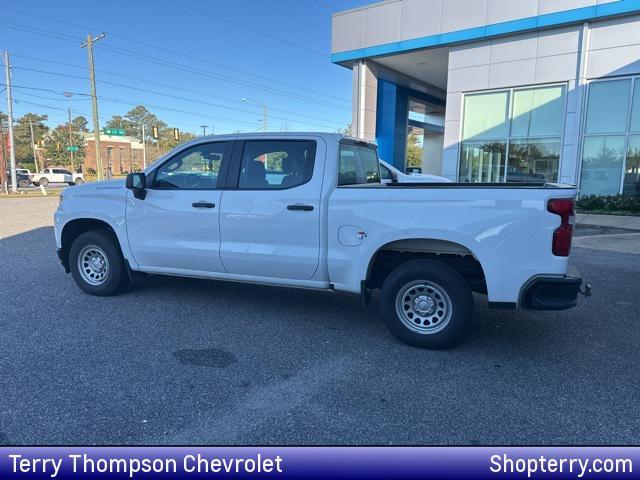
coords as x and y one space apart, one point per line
552 293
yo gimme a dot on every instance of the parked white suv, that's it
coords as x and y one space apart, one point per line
56 175
391 174
310 211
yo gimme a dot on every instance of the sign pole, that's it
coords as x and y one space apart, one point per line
144 150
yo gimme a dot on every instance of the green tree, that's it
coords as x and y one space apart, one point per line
348 131
414 151
80 124
22 137
133 120
55 147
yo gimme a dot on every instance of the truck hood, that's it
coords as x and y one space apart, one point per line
110 187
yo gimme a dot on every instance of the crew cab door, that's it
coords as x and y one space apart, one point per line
175 228
270 213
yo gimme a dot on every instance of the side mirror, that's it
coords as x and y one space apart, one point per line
137 183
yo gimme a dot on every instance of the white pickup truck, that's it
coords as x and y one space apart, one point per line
56 175
310 211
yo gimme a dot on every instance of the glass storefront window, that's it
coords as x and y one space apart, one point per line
608 107
632 174
486 115
538 112
602 161
533 160
525 123
482 162
635 109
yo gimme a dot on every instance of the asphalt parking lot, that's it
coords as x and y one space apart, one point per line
176 361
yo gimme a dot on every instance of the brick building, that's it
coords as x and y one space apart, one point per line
122 154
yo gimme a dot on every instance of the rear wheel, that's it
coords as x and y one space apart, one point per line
44 182
78 181
24 183
97 265
427 304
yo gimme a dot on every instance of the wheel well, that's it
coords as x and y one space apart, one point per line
75 228
392 255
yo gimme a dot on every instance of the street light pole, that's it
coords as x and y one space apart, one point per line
70 142
33 146
265 112
12 144
144 149
94 104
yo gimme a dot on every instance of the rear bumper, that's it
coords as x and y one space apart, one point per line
552 293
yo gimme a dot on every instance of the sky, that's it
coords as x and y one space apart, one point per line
191 62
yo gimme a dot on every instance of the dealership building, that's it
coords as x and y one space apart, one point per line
500 90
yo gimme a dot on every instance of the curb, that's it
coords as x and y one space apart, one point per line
615 221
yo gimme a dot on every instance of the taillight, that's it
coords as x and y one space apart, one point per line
562 236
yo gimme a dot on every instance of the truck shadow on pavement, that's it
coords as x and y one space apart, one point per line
30 259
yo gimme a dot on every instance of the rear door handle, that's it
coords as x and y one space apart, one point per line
300 208
203 205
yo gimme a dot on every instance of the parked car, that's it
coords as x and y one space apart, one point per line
22 179
391 174
208 209
57 175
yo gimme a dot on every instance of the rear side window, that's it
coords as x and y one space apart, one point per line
358 165
276 164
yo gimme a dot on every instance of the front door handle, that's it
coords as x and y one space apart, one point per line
300 208
203 205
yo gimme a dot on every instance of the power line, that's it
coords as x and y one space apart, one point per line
174 52
287 14
84 114
251 29
153 82
162 107
184 67
152 92
174 87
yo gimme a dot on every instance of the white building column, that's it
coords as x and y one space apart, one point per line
365 100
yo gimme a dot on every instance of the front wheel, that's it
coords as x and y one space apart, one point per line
97 265
78 181
427 304
44 182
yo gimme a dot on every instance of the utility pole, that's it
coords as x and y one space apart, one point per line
12 143
144 149
70 142
94 104
265 117
33 146
3 164
204 130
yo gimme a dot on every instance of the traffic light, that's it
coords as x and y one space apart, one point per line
176 134
154 133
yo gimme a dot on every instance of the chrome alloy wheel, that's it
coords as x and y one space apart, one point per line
93 265
423 307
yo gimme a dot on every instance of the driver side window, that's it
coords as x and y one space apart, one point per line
196 168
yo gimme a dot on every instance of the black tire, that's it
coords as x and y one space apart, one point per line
24 183
426 274
44 182
78 181
117 276
71 184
